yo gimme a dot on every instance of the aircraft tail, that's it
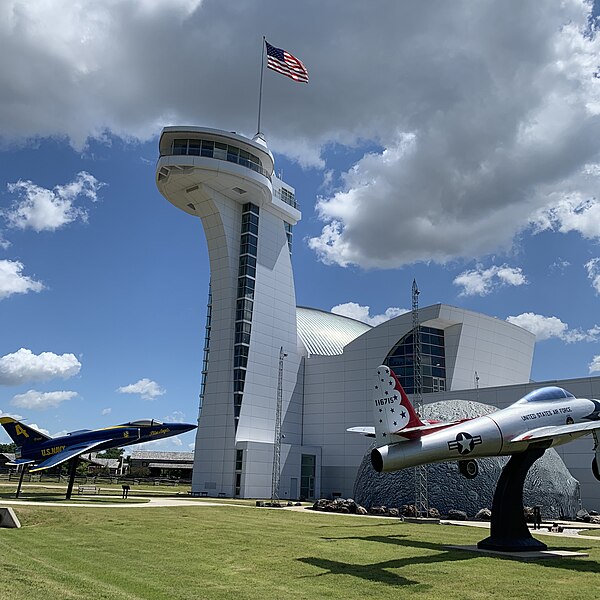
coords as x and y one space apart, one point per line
392 409
21 434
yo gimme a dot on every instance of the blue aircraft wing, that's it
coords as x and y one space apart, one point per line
66 454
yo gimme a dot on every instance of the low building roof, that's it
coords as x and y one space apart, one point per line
324 333
163 456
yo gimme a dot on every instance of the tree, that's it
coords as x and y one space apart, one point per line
111 453
10 448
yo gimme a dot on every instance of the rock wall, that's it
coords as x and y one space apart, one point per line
548 484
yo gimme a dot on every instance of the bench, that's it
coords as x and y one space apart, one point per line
88 489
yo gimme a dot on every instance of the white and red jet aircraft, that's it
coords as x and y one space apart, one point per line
548 416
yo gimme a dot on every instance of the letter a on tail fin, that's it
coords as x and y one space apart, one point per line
392 410
21 434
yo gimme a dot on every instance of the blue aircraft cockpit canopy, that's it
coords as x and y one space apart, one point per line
145 423
546 394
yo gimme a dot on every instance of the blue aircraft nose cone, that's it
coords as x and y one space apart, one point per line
183 427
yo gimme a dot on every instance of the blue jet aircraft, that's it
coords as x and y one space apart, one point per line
40 451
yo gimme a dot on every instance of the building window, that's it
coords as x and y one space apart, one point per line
239 459
220 151
308 469
244 303
288 235
433 361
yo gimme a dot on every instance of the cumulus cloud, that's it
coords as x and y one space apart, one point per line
476 112
42 209
545 328
594 366
362 313
24 366
4 243
593 270
12 280
41 400
45 431
12 415
106 411
146 388
480 281
175 417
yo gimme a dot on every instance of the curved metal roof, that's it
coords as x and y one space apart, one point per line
325 333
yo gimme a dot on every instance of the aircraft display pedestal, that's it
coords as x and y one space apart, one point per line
72 473
509 531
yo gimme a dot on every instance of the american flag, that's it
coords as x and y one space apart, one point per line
283 62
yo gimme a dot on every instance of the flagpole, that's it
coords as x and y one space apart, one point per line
262 70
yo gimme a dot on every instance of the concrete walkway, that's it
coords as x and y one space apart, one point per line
142 502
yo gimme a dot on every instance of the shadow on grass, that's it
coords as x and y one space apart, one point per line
42 497
380 571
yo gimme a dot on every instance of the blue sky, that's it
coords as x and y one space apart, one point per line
455 145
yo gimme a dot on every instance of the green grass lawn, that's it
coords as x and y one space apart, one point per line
243 553
595 532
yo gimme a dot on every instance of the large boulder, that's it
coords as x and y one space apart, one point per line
549 483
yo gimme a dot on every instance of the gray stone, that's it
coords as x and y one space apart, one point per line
583 515
549 483
485 514
8 518
457 515
595 519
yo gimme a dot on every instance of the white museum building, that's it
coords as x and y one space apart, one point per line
261 351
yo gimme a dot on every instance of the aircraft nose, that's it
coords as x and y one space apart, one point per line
183 427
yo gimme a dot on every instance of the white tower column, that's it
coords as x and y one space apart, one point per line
247 213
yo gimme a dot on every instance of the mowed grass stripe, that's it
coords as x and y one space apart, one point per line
246 553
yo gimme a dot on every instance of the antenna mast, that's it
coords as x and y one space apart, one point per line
275 477
421 499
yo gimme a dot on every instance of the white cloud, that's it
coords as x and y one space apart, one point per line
146 388
35 400
593 271
545 328
175 417
480 281
361 313
12 280
478 113
12 415
4 243
560 265
106 411
24 366
594 366
45 431
42 209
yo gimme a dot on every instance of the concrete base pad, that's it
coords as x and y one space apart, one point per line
527 555
421 520
8 518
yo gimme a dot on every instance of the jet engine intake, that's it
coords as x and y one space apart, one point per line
468 468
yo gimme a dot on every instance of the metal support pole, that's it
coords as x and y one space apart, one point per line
74 463
421 499
20 481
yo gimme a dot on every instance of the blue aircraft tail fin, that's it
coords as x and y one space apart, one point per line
22 435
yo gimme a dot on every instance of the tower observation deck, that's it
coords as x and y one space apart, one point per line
247 214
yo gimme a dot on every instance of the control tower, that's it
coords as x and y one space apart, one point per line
247 213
